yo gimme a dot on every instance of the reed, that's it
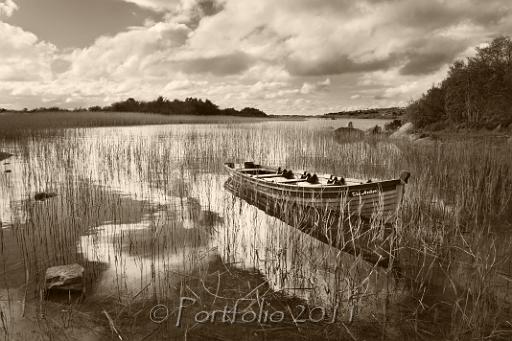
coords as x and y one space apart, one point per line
144 209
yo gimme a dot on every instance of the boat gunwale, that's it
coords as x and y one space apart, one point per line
320 187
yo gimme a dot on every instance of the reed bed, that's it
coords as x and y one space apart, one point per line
144 209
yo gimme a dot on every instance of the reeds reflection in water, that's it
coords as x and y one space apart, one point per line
144 209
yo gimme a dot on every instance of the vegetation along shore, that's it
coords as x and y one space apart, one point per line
476 94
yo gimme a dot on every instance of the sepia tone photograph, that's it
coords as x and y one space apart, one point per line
256 170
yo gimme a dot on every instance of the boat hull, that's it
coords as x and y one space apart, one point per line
378 200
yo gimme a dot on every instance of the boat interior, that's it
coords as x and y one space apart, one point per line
288 176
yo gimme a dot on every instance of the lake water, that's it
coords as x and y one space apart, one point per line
144 208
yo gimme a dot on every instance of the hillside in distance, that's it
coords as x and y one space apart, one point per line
384 113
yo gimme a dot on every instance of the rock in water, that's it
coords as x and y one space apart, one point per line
349 131
4 155
426 141
347 135
65 277
374 131
404 131
44 195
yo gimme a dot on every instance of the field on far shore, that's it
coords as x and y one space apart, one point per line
12 121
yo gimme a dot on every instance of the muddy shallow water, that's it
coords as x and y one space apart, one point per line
145 211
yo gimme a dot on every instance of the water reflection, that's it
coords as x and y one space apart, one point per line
296 263
149 204
370 238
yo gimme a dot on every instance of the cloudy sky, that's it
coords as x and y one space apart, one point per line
282 56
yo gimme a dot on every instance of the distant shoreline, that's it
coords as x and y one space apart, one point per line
12 123
374 113
359 117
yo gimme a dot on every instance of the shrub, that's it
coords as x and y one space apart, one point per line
393 125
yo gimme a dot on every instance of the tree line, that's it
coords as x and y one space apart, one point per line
477 92
190 106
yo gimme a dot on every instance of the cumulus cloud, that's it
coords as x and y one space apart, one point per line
161 5
190 11
278 55
226 64
425 55
331 65
308 88
24 58
138 52
348 37
60 65
183 84
424 63
7 8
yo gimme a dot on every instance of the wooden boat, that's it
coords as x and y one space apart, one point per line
323 194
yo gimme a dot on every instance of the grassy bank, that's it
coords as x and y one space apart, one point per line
15 121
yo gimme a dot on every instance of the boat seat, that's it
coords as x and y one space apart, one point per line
243 170
291 181
264 176
308 184
333 184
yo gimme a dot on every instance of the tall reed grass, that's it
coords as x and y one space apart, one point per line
144 209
